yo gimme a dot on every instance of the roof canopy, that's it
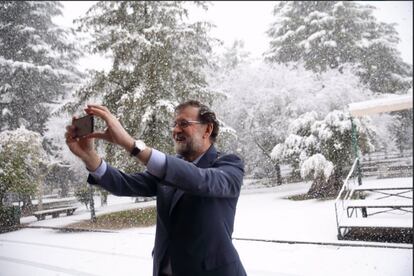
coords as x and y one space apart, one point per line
381 105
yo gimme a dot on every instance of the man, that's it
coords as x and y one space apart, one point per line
197 191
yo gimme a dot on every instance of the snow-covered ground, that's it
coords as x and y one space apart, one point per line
261 214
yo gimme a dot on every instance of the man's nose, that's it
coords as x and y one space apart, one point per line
176 130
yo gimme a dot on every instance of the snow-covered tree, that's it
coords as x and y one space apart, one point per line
158 59
330 34
316 166
330 137
320 170
36 63
234 55
71 170
402 128
261 100
23 162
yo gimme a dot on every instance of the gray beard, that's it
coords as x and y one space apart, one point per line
186 150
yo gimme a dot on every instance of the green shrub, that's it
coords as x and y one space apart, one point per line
9 216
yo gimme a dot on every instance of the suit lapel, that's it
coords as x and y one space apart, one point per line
208 158
205 162
177 195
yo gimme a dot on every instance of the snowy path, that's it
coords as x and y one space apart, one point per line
48 252
128 253
262 214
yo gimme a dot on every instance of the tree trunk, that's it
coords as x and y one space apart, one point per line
104 199
27 206
275 164
324 189
64 190
92 205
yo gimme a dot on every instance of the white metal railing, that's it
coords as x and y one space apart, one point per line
345 193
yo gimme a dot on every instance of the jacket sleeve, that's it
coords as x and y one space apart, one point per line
122 184
223 179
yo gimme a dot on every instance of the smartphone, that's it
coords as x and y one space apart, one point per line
84 125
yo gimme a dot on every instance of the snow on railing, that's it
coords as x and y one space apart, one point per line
344 194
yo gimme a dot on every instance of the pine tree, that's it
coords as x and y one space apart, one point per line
330 34
234 55
36 63
158 59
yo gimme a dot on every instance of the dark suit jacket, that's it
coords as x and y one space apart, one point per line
196 205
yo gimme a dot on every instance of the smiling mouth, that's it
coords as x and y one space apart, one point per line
180 139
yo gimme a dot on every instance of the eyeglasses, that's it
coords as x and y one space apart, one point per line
184 123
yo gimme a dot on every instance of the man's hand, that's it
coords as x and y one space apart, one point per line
82 147
114 133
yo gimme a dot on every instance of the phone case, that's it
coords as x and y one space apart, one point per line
84 125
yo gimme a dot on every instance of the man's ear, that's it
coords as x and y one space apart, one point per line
209 129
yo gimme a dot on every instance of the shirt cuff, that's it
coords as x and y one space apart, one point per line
156 163
100 171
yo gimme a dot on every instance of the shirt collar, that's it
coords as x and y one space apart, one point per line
198 158
195 162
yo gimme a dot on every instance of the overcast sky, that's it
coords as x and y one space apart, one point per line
249 20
